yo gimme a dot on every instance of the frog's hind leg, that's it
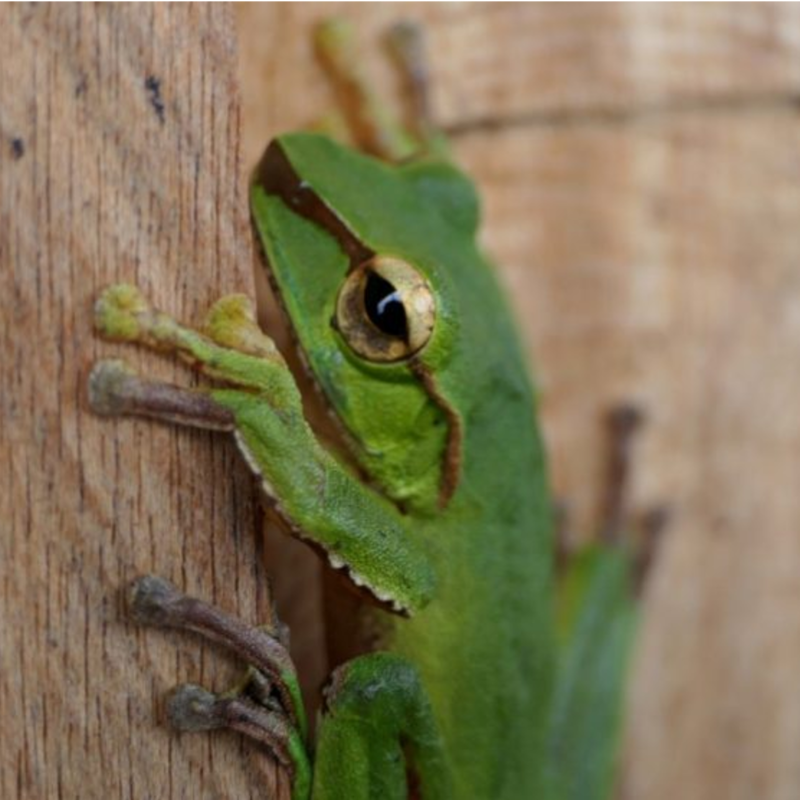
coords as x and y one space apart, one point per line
405 42
619 527
372 126
596 620
378 738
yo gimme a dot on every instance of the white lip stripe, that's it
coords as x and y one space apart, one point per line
246 454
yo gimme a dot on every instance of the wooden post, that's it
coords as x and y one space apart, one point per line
119 160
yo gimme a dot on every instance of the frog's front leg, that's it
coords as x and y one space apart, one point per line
359 530
378 738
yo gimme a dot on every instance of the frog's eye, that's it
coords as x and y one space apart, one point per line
385 309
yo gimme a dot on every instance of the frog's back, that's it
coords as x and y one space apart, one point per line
480 644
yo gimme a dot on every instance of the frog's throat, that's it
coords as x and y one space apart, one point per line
276 176
360 583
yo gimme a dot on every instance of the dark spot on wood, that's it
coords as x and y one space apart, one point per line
81 86
153 86
17 148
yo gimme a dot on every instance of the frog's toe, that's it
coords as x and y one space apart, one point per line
232 309
118 312
107 386
231 322
192 708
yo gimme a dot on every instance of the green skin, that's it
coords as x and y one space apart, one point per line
492 681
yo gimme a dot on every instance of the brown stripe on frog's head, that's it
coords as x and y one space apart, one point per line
363 313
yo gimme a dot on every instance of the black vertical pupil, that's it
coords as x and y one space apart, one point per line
384 307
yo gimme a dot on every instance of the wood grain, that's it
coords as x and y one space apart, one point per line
640 172
119 160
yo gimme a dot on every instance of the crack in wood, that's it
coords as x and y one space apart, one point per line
626 115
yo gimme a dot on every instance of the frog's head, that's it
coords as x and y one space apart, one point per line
358 253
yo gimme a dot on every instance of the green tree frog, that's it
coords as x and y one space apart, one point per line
486 679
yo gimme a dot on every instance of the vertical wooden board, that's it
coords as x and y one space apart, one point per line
718 663
119 160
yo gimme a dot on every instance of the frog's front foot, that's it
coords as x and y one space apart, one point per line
116 390
231 322
118 313
110 382
123 314
266 705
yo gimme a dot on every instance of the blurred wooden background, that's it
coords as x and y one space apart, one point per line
640 167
